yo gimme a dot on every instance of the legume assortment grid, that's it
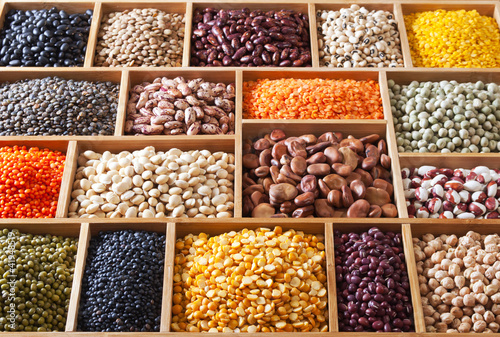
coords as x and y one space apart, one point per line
207 167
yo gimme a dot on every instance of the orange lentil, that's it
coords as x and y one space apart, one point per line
30 180
290 98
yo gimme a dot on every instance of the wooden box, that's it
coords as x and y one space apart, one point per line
72 146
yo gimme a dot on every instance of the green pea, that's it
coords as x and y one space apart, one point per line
473 148
432 147
480 132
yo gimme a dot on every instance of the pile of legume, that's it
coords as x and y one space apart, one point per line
289 98
53 106
29 182
356 37
37 275
459 282
151 184
123 282
459 39
44 38
178 107
250 38
250 281
140 38
432 192
446 116
373 289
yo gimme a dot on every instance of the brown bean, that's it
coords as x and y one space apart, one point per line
287 171
263 210
323 188
366 177
353 176
247 181
262 171
248 206
287 207
369 163
265 158
349 157
334 181
278 151
316 158
341 169
266 183
389 210
261 144
303 212
275 172
380 172
377 196
308 183
354 144
358 189
328 137
382 147
282 192
333 155
335 198
347 198
385 161
304 199
359 209
370 139
312 149
309 139
298 165
318 169
277 135
383 184
250 161
250 189
296 149
375 211
323 209
284 179
372 151
257 198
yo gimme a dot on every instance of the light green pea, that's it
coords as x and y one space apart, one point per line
432 147
491 118
449 124
427 136
445 150
464 124
492 145
423 150
473 148
457 141
475 140
480 132
406 126
465 150
484 142
466 143
452 133
464 134
401 149
485 149
474 122
442 132
450 146
481 118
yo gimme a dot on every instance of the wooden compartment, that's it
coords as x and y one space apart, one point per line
394 8
457 227
90 230
487 8
106 7
140 75
302 6
54 145
72 7
396 227
77 74
180 230
58 228
161 143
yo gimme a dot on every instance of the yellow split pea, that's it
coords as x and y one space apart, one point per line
250 281
453 39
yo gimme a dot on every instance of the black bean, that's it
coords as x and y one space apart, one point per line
26 34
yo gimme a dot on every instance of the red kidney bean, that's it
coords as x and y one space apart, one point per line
271 35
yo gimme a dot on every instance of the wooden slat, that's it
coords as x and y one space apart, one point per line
403 36
238 147
121 115
76 288
314 35
94 29
333 320
168 279
186 53
67 180
411 267
399 198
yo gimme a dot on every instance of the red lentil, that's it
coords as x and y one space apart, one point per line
290 98
30 180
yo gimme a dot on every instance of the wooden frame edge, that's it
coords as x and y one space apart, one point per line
168 278
333 321
403 37
70 165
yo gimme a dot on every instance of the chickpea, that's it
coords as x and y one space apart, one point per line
457 312
469 300
447 298
489 317
447 318
458 301
464 327
479 309
479 326
495 327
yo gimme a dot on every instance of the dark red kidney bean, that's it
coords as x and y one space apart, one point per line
289 23
271 48
207 17
198 45
294 55
235 43
194 61
266 57
234 36
277 36
218 33
232 29
260 40
212 56
297 63
217 63
241 29
284 44
226 61
287 30
246 59
285 63
258 50
228 50
199 32
249 46
276 58
212 39
257 61
239 53
284 54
